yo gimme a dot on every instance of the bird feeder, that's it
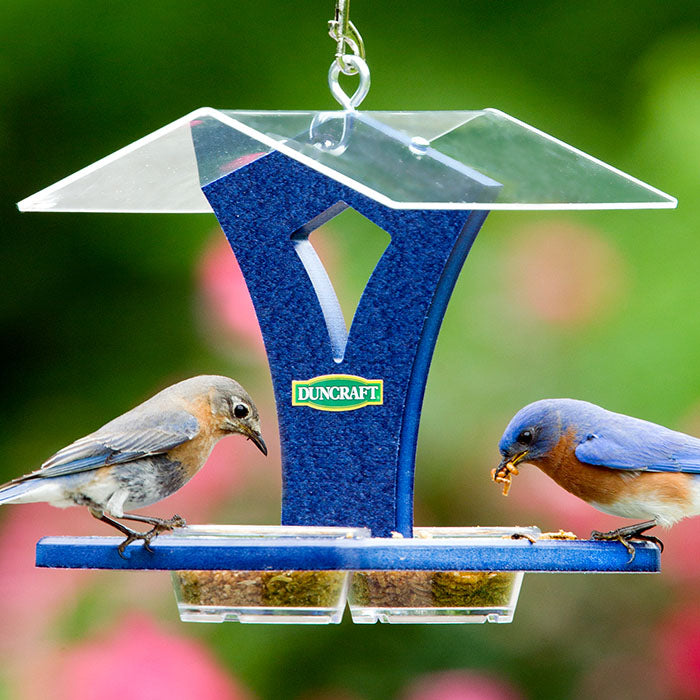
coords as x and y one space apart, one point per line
349 400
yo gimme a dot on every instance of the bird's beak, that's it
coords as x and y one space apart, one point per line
506 470
257 439
507 463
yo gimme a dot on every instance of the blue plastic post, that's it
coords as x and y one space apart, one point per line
342 467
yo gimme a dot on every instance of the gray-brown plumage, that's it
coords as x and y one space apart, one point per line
144 455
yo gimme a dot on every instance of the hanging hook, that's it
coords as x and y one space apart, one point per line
360 66
344 32
337 146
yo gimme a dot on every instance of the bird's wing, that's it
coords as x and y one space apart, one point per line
641 446
121 440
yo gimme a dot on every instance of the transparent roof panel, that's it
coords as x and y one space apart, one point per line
480 159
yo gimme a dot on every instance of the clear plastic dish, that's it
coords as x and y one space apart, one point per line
291 597
440 596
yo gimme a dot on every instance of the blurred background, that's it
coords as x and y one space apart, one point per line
100 311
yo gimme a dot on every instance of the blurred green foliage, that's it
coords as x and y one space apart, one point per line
98 311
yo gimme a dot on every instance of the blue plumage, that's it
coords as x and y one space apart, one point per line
621 465
608 439
124 439
13 491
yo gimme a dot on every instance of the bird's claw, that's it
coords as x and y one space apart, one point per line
623 535
616 536
162 525
177 521
630 549
129 539
652 538
159 526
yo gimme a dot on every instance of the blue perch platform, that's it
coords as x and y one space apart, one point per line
173 552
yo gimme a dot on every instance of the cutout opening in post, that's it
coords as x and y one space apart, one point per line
339 309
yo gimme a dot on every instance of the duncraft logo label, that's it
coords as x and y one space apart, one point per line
338 392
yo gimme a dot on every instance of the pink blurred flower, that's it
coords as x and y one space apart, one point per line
227 307
564 273
225 295
139 661
681 556
30 597
679 652
460 685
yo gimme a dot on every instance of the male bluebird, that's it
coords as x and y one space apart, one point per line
621 465
143 456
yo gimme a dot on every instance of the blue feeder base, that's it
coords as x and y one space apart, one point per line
278 578
172 552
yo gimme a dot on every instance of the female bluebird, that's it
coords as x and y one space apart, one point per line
143 456
621 465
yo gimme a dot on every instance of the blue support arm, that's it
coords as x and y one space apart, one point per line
171 552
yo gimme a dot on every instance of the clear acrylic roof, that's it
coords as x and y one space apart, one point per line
480 159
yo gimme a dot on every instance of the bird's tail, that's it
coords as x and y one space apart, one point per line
14 491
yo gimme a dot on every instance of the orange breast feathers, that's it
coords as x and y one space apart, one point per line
193 453
606 486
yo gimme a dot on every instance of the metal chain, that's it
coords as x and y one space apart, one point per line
346 36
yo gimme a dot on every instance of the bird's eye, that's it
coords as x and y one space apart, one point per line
240 411
525 437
